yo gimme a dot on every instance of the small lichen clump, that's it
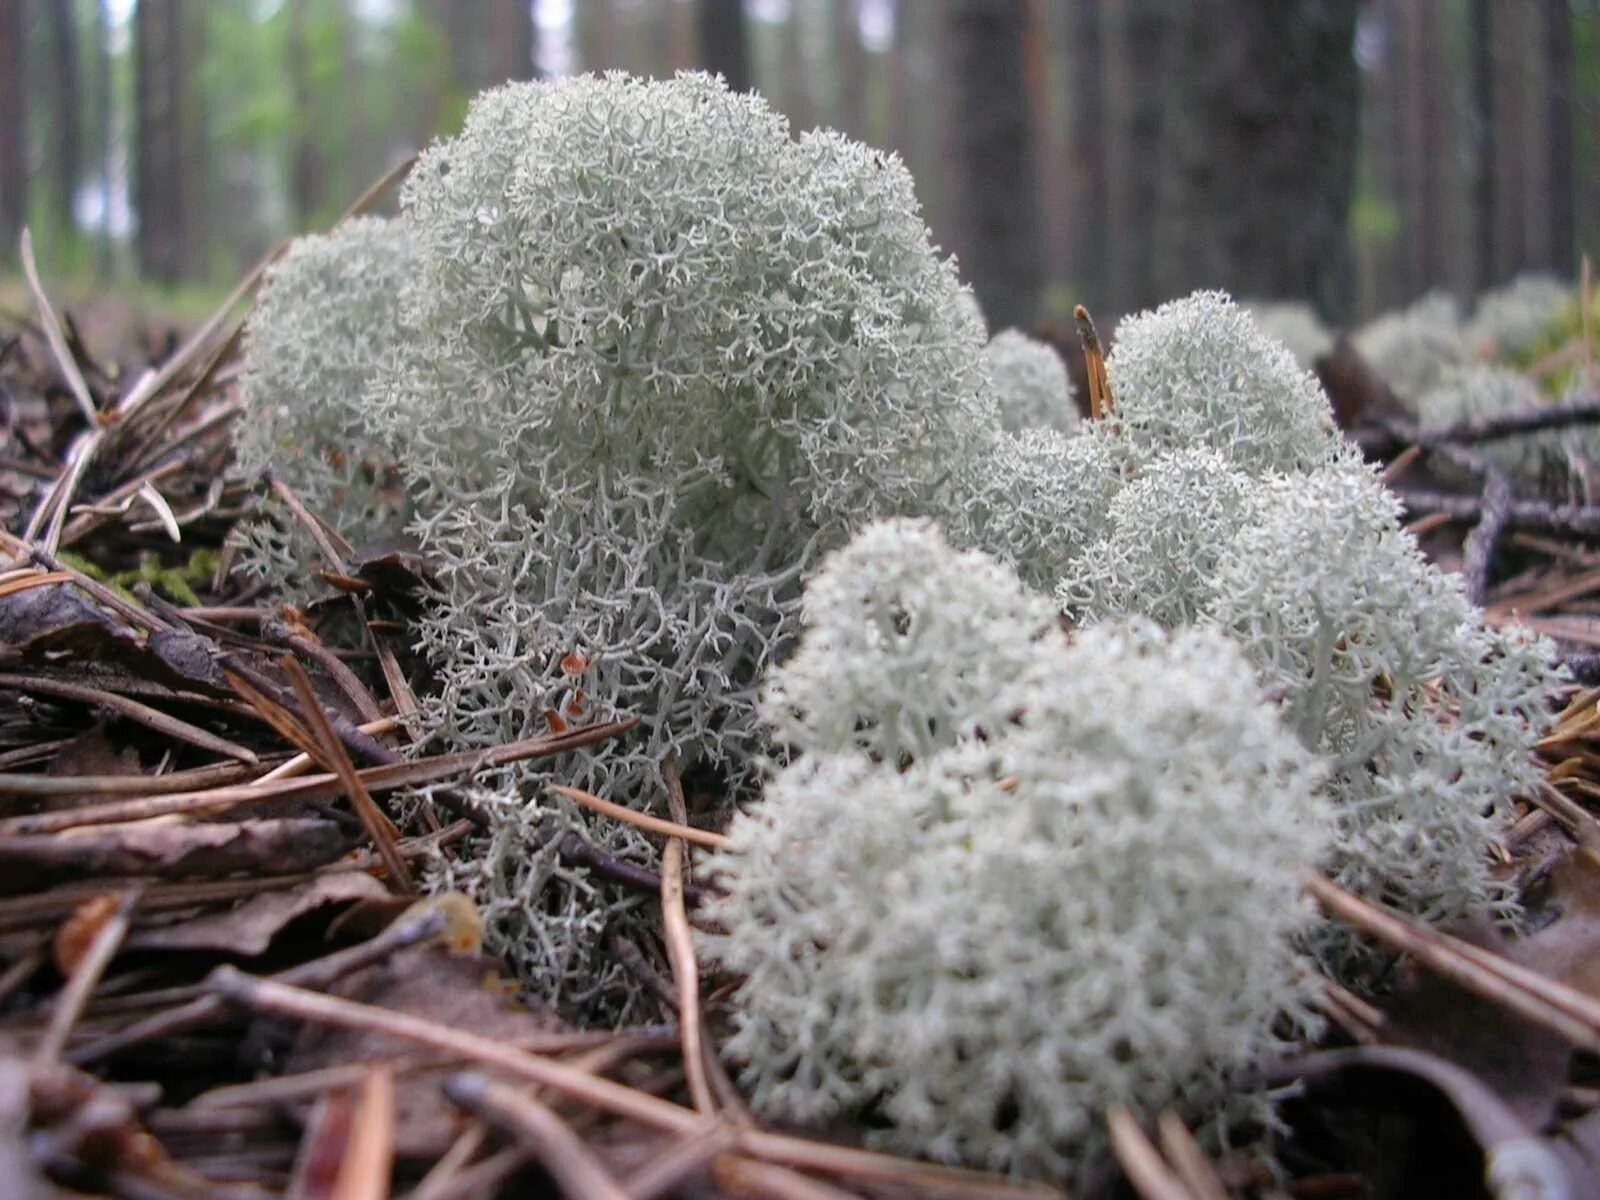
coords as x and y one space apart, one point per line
1296 325
1428 718
1198 372
1030 384
1284 539
1537 459
328 316
1410 349
1509 321
1027 879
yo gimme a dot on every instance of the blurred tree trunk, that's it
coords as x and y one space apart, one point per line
67 154
1261 150
724 42
167 141
1558 76
993 142
916 116
105 131
597 35
851 111
799 75
1087 209
1480 93
1510 104
1427 234
13 125
1137 81
308 176
674 36
512 40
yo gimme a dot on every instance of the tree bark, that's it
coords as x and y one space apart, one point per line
308 175
1138 86
1260 149
1510 103
512 40
13 125
993 139
1559 148
167 172
105 134
67 154
1088 204
724 45
1480 94
851 57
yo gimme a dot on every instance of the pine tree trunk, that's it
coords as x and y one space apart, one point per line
1261 150
1087 209
66 155
724 44
1480 93
998 205
13 125
167 138
1137 80
511 40
1561 157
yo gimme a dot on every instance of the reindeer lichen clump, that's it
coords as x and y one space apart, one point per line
327 318
1280 536
658 356
1030 384
1008 877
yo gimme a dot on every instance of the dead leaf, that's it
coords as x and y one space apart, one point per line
1357 391
426 982
93 753
1524 1064
59 617
249 929
1568 948
267 847
77 932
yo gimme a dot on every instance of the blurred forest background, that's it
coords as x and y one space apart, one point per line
1353 153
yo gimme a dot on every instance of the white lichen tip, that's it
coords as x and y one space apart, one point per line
326 319
1030 383
1091 897
1198 372
908 647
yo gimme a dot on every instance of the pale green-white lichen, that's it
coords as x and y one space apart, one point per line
1509 321
657 357
1070 878
1285 540
1464 393
1198 372
1030 384
1296 325
327 317
1412 348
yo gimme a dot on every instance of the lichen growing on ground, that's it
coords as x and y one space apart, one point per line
657 357
327 319
1039 876
1030 384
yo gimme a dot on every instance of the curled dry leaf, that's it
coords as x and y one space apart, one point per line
422 982
250 928
77 933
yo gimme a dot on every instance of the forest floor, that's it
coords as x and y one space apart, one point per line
217 978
